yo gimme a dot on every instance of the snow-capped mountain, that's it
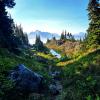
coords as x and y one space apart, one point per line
43 35
79 35
47 35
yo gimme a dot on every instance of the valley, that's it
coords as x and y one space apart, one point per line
50 64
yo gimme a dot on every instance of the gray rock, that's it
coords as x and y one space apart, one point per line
26 80
55 88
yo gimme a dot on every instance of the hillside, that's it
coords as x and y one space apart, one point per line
82 78
34 61
68 47
76 73
43 65
81 73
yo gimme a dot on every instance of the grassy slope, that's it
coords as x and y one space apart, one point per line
82 77
68 48
29 58
81 74
77 56
8 60
92 58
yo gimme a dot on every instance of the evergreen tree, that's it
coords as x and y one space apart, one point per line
72 38
48 40
39 46
62 36
23 38
68 35
54 38
85 38
65 34
93 36
7 38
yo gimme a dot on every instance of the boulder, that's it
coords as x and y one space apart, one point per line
25 80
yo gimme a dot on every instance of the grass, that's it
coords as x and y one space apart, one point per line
85 61
8 61
76 57
82 77
46 56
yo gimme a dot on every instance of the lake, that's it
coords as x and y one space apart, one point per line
53 52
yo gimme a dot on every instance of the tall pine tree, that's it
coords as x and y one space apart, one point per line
62 37
93 36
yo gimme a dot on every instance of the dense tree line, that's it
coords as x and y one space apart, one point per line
11 36
67 36
23 37
6 23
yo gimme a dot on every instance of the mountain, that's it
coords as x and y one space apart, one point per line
44 36
47 35
79 35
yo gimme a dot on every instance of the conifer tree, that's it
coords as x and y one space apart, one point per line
65 34
48 40
54 38
7 38
39 46
93 36
62 36
68 35
23 38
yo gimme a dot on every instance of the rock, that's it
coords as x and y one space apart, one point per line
55 88
26 80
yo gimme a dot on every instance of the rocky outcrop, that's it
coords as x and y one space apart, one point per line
25 80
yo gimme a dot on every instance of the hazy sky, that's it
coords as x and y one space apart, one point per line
51 15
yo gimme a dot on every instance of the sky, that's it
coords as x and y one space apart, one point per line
51 15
